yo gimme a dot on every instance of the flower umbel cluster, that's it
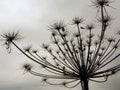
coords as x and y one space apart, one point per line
77 58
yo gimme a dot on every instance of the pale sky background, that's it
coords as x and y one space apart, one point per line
32 17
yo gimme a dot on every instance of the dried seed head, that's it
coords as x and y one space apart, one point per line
90 27
9 38
27 67
28 48
102 48
44 79
101 3
106 20
35 51
45 46
57 26
111 39
77 20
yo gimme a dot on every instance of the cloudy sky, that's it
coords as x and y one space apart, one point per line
32 18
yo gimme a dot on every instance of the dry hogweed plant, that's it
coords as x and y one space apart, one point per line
75 58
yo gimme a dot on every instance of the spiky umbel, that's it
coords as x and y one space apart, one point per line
74 58
9 37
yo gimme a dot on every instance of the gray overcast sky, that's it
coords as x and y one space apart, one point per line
32 17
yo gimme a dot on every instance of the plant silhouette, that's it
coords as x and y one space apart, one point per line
75 58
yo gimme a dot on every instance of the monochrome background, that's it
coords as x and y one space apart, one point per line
32 18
